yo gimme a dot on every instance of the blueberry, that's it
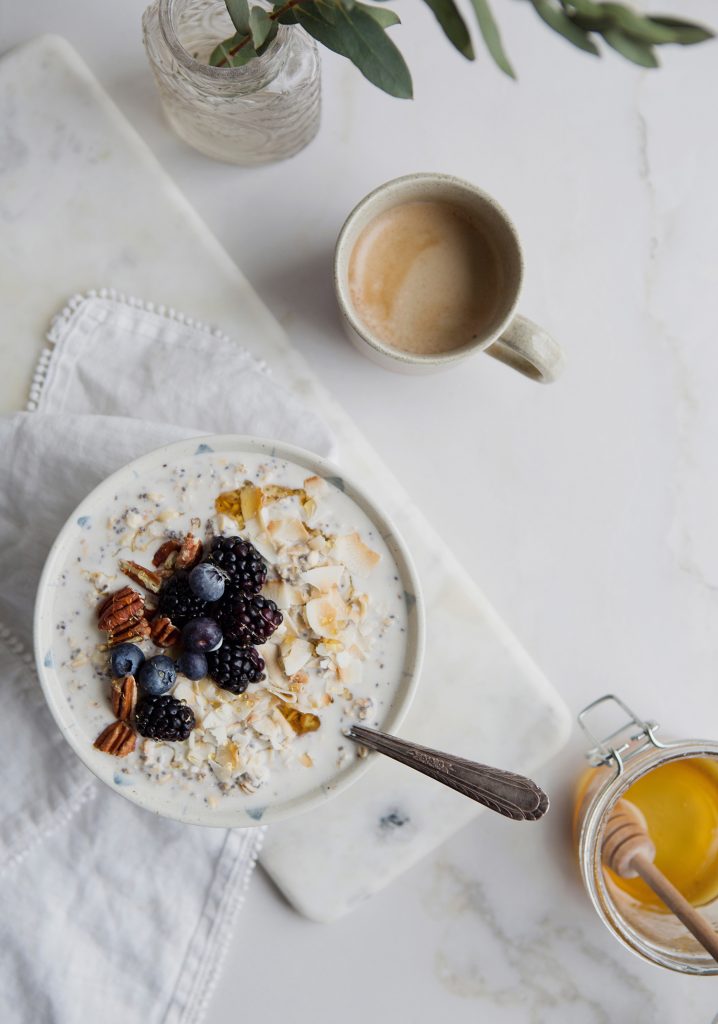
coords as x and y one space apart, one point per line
206 581
157 675
202 635
126 660
192 664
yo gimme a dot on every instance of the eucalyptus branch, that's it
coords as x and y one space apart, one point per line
274 16
358 31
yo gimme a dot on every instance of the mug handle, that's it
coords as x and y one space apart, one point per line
529 349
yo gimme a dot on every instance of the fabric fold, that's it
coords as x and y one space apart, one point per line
109 913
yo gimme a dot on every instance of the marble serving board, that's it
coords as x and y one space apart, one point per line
84 204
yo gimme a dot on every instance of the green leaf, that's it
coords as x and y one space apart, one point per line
492 36
453 25
565 26
357 36
686 33
586 7
382 15
632 49
265 45
636 26
260 25
222 53
238 11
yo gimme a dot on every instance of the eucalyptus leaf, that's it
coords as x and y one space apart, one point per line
382 15
222 54
453 25
632 49
492 37
260 25
560 22
357 36
238 11
686 33
265 45
589 8
636 26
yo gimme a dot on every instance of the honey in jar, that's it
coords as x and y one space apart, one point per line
679 801
675 786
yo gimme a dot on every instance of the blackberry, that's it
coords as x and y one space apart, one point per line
177 601
164 718
234 667
251 619
244 565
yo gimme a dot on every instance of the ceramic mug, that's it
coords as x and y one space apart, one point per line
515 340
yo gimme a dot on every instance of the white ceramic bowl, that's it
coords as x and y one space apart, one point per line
234 809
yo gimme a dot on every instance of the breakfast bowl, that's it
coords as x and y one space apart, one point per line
320 622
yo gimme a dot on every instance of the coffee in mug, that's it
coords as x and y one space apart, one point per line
425 277
428 270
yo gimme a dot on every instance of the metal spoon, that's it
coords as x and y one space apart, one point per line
509 794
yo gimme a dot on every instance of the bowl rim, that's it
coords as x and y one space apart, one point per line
202 814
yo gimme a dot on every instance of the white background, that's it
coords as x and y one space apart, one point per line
587 510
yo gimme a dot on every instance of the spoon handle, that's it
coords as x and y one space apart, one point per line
509 794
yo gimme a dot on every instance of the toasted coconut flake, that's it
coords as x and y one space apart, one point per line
315 486
324 577
287 531
264 546
354 553
295 654
284 594
251 501
319 543
306 760
327 615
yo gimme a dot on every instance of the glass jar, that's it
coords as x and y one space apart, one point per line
624 756
266 110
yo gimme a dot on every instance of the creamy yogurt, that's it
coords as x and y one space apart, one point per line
345 652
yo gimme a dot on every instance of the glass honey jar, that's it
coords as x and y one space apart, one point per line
675 785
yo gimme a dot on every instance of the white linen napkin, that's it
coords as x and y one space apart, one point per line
109 913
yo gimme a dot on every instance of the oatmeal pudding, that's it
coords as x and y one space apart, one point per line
214 618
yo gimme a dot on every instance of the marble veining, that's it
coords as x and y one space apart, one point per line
479 957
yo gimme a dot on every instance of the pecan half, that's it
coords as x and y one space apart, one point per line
189 553
161 555
119 609
163 632
124 697
127 634
165 571
117 739
145 577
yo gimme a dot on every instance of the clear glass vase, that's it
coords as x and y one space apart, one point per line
265 111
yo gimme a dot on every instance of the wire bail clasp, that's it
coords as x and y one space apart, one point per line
629 738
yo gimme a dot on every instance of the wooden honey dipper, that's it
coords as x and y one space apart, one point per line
628 850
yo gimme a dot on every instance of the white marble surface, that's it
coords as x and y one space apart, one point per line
493 701
589 507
